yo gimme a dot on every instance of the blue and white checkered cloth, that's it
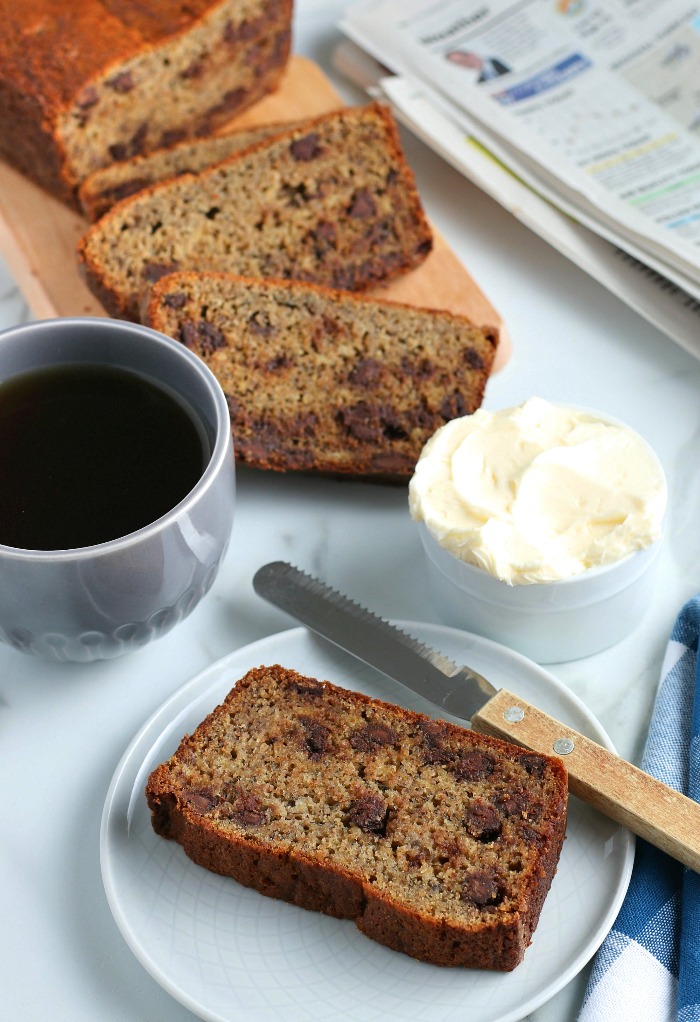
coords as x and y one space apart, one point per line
648 967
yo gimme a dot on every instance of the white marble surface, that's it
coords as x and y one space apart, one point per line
63 729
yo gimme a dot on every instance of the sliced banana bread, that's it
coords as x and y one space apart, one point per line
103 189
437 841
332 201
321 380
92 81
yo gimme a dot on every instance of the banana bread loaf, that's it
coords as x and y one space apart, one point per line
437 841
92 81
103 189
332 201
322 380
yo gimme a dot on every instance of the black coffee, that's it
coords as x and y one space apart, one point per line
89 454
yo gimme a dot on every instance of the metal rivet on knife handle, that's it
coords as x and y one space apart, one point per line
514 714
563 746
623 792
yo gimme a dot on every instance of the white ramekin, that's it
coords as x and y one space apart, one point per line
547 621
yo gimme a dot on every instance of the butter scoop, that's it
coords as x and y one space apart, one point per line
539 492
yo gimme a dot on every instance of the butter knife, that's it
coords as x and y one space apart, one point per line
620 790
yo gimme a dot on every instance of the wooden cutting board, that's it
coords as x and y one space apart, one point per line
38 234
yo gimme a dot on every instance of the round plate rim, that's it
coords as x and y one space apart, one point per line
202 680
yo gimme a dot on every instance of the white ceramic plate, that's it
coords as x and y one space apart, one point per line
228 953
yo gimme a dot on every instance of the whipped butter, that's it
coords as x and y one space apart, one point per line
539 492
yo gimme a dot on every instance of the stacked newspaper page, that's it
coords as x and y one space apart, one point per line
581 117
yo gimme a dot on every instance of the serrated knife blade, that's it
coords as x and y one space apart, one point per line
620 790
459 691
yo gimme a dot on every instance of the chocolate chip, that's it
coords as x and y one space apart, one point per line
248 811
370 423
175 300
122 82
306 688
453 406
533 764
317 739
474 766
87 98
195 70
154 271
280 361
118 151
123 190
230 100
200 801
372 737
482 888
344 278
532 836
138 140
125 150
171 137
202 336
370 813
392 426
241 806
482 821
366 373
324 237
306 148
421 370
233 34
513 802
473 359
433 732
359 423
362 205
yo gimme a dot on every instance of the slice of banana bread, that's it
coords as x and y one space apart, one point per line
332 201
92 81
321 380
437 841
103 189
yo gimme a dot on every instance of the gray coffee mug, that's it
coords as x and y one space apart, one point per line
100 601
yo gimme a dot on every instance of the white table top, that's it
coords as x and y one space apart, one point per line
63 729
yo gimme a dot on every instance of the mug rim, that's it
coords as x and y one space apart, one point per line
220 450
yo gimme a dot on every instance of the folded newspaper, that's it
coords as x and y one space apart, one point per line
581 118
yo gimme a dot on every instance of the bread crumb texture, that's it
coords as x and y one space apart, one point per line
437 841
332 202
321 380
105 187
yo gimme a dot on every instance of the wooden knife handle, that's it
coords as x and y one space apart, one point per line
649 808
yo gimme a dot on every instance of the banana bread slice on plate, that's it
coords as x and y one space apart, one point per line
437 841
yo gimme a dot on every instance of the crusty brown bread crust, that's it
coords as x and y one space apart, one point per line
92 81
326 381
438 842
332 201
107 186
